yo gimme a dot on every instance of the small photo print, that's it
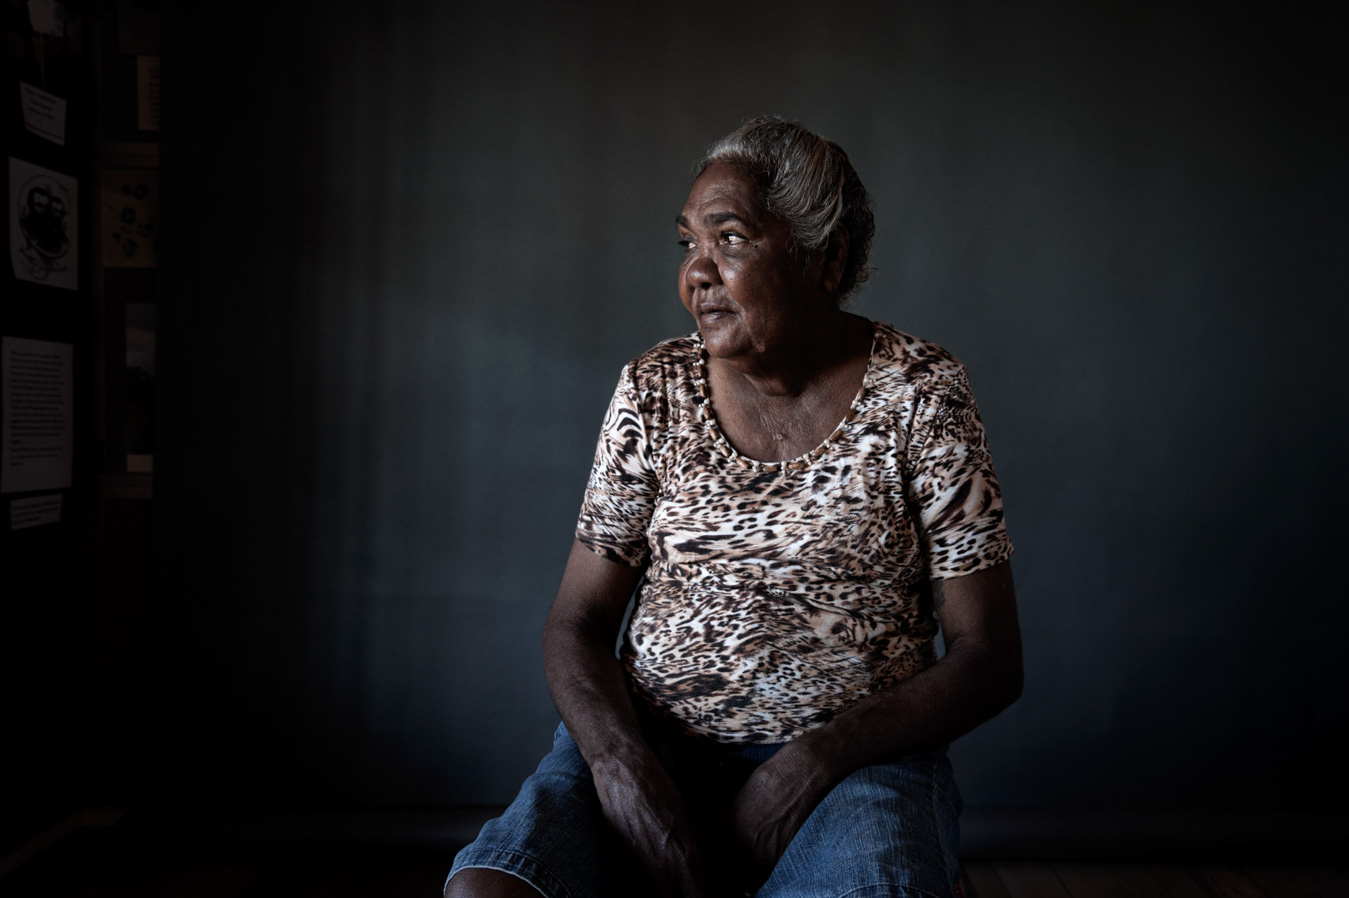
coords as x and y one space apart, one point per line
43 225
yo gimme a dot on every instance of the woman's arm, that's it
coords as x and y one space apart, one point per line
639 799
979 675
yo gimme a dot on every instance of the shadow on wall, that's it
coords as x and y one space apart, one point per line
414 246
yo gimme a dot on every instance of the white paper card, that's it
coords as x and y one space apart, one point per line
38 422
30 511
44 114
44 225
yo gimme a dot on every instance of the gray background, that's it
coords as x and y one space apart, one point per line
407 248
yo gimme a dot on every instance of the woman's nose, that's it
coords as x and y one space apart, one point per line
701 270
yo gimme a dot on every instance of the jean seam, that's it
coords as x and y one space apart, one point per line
910 890
937 818
513 873
555 888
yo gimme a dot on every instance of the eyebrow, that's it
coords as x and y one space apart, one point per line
714 218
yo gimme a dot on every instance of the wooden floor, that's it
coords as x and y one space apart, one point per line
235 871
158 862
272 881
1025 880
424 880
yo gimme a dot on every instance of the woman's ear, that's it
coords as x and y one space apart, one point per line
835 259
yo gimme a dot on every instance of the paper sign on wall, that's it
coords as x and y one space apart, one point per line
43 225
37 426
44 114
32 511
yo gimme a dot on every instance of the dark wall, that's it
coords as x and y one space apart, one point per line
408 247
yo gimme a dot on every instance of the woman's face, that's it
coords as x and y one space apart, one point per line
739 278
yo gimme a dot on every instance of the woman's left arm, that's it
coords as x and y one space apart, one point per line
979 675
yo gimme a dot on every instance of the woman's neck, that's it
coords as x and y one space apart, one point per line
790 370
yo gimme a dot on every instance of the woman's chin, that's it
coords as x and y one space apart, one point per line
721 336
722 348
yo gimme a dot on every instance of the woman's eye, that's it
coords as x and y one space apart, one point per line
732 238
687 245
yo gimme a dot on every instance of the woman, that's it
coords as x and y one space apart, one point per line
777 718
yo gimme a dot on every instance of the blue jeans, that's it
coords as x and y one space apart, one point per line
886 830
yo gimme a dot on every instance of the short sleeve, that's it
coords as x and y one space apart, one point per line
621 492
953 486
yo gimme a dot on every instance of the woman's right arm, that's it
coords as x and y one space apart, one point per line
639 799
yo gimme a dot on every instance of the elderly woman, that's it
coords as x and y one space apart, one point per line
800 497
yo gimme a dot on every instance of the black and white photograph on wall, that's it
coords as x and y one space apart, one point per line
46 41
43 225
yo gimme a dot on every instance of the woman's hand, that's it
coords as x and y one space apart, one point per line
979 675
638 798
767 812
644 807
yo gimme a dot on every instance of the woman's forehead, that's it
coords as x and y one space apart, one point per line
720 190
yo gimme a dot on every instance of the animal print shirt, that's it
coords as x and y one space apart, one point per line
778 594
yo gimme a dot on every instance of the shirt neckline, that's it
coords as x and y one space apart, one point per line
801 462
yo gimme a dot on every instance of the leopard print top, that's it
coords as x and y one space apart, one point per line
776 595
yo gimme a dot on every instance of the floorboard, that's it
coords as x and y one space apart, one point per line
982 881
1031 881
1064 880
1177 881
1109 881
1227 882
1297 882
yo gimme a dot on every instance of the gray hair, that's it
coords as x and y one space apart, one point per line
808 182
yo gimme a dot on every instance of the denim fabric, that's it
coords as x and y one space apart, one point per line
886 830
